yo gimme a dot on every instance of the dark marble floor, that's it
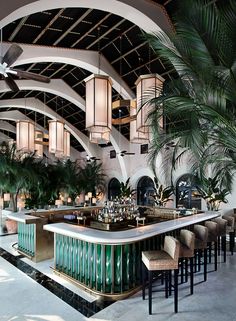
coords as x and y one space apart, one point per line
88 309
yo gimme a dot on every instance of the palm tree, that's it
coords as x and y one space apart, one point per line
18 172
199 101
92 178
126 189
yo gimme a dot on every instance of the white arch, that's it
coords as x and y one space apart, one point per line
85 59
38 106
118 141
56 86
147 15
4 125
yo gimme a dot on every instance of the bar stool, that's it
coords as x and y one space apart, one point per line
212 238
162 260
230 230
187 241
221 236
201 235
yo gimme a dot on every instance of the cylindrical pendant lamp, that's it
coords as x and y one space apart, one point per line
56 137
98 103
25 136
99 138
147 88
38 143
66 152
135 136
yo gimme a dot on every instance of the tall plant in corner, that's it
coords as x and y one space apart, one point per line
199 102
18 172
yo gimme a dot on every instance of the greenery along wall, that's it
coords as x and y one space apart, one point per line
41 181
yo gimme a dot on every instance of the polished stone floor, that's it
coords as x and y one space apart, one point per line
32 292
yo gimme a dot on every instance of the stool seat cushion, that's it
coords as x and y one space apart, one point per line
158 260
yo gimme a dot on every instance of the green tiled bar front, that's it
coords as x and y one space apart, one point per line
26 238
109 269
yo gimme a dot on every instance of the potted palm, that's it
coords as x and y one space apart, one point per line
212 192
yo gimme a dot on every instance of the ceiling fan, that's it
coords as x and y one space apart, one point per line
93 158
124 152
12 54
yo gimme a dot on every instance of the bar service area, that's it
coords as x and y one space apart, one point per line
100 247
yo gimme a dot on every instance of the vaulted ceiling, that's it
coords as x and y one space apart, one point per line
120 41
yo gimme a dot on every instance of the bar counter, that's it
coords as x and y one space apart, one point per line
35 242
106 262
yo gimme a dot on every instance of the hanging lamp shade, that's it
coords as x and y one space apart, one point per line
98 103
56 137
147 87
135 136
66 152
38 146
99 138
25 136
7 197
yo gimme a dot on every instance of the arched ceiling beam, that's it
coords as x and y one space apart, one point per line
148 15
92 149
85 59
4 125
56 87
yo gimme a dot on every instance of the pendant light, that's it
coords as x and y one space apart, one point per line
98 101
99 138
38 143
147 87
66 150
25 136
135 136
56 137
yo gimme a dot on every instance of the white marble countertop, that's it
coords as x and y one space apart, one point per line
23 218
127 236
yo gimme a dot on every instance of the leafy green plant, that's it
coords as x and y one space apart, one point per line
92 178
126 189
211 191
199 102
161 194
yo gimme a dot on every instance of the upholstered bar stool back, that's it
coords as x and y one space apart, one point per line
201 236
212 238
187 242
162 260
221 237
230 230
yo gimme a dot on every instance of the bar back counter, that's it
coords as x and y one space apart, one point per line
35 242
109 262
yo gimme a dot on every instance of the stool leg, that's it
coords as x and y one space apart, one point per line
166 283
215 249
143 280
182 270
191 275
223 239
218 245
195 261
199 259
150 291
209 252
205 264
176 290
231 242
186 270
170 281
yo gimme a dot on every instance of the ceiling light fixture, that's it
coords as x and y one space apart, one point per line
148 87
25 136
